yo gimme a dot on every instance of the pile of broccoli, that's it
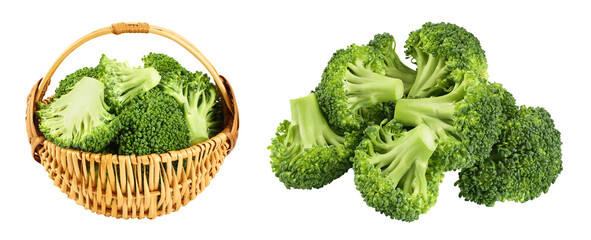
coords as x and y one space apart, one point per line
402 128
118 109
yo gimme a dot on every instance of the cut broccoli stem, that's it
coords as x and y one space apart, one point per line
402 72
408 78
430 69
365 87
436 112
385 45
406 160
313 127
412 112
135 82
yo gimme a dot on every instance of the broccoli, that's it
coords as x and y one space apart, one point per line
392 170
306 153
465 120
71 79
123 82
153 122
352 83
523 164
385 45
194 91
80 119
443 53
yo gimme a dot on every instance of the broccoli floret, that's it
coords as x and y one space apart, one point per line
392 170
352 82
80 119
385 46
523 164
153 122
195 92
164 64
71 79
443 53
123 82
466 121
306 153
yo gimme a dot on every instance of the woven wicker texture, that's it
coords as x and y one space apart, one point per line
133 186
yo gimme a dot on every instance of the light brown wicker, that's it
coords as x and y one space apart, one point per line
133 186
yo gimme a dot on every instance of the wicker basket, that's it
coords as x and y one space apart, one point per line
134 186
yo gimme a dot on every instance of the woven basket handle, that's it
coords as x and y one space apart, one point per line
119 28
39 89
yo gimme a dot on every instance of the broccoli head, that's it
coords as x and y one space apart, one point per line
443 53
525 161
153 122
392 170
353 82
80 119
164 64
385 46
196 94
306 153
123 82
465 120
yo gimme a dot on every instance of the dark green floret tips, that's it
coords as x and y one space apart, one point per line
523 164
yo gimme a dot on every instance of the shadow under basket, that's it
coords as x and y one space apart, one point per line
133 186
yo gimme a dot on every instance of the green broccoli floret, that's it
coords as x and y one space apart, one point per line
198 97
392 170
443 53
71 79
385 45
123 82
352 82
80 119
466 121
523 164
306 153
153 122
164 64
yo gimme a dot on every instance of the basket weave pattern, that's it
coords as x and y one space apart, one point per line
134 186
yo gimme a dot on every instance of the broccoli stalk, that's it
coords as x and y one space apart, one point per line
367 88
430 70
306 153
123 82
71 79
404 161
80 119
385 46
200 102
437 112
392 170
311 125
465 120
352 84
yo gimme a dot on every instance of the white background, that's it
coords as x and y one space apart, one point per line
272 52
